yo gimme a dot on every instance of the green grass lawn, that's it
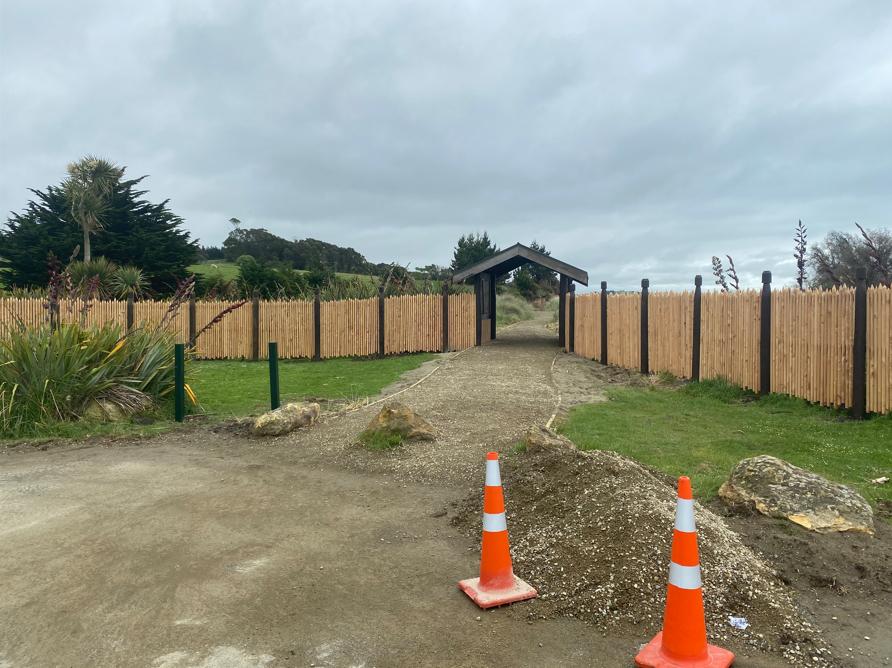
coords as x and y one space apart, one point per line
703 429
237 388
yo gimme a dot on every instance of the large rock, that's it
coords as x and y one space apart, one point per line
778 489
286 419
103 410
543 438
397 419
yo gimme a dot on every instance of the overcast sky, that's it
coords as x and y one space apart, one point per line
633 139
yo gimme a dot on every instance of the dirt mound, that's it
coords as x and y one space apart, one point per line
592 530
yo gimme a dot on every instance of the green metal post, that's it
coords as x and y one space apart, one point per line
179 381
273 375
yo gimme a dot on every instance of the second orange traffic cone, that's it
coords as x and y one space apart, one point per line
682 642
497 584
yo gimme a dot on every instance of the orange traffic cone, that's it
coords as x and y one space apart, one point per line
682 642
497 584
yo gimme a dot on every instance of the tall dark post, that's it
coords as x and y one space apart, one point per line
562 310
765 336
273 375
445 316
255 329
179 382
695 328
572 333
492 307
129 313
191 321
317 326
859 350
381 321
478 295
604 322
54 314
645 352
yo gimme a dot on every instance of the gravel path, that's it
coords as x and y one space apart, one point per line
478 400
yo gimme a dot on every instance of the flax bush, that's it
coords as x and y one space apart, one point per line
49 375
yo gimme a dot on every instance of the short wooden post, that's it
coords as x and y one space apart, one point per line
571 337
445 305
562 311
273 375
255 329
191 322
859 349
54 314
129 313
645 352
179 382
765 336
604 322
381 331
317 326
695 328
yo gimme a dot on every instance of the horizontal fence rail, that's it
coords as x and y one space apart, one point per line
810 350
346 328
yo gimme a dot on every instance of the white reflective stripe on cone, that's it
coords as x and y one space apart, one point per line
493 479
684 516
494 522
684 577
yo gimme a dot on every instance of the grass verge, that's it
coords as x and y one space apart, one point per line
703 429
227 388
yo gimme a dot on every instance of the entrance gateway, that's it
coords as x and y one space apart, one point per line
486 273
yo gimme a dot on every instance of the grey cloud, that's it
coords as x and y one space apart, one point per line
633 140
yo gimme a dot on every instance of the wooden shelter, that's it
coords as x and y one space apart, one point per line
486 273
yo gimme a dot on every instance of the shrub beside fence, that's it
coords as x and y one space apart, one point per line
811 351
347 328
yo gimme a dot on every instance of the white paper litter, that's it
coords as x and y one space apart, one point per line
738 622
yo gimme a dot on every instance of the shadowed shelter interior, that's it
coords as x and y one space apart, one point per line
486 273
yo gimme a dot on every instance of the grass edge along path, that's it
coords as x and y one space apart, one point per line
235 388
703 429
230 388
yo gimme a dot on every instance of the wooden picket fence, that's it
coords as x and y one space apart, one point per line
347 328
810 350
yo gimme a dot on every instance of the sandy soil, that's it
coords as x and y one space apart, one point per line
204 548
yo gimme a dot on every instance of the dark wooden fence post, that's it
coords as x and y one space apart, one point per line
571 335
562 311
255 329
129 313
317 326
192 321
695 328
478 295
492 307
445 316
273 356
179 382
381 321
859 350
765 336
604 322
645 352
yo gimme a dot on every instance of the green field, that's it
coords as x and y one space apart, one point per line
229 271
239 388
703 429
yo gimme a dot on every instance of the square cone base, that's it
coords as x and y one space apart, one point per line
520 591
652 656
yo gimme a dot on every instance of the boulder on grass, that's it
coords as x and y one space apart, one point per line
778 489
397 419
286 419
